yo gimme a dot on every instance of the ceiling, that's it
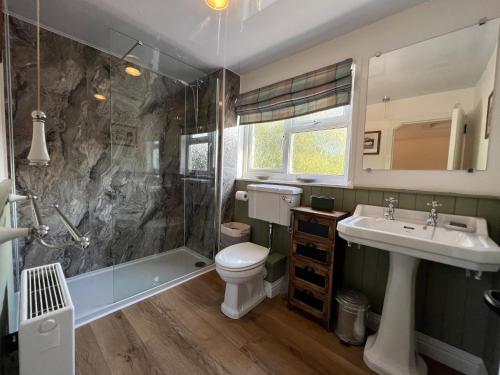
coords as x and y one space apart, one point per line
449 62
245 36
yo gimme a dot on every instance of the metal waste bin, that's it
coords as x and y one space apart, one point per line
233 232
351 308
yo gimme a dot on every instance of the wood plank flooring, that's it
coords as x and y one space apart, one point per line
182 331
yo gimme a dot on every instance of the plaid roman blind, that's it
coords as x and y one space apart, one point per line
321 89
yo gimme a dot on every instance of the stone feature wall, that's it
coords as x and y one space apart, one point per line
230 144
114 166
201 201
201 194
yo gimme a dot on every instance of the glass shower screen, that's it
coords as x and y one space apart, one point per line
163 159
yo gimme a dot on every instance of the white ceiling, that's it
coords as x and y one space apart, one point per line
247 35
449 62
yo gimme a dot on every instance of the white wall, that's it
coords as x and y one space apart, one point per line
388 116
427 20
421 108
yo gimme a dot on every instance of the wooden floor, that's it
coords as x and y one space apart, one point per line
182 331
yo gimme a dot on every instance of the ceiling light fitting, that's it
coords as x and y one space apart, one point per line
217 4
133 71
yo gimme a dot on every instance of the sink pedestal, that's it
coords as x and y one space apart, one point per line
391 351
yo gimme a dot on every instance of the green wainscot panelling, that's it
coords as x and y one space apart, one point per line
449 306
276 266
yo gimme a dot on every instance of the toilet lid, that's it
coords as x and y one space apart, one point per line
242 255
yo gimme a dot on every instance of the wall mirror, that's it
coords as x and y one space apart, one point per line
429 105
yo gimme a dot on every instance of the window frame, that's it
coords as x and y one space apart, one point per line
299 125
188 140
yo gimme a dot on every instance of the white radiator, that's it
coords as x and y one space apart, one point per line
46 331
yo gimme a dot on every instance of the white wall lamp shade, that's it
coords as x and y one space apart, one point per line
38 155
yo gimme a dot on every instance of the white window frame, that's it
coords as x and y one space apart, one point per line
293 126
192 139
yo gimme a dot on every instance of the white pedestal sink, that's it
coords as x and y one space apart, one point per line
391 351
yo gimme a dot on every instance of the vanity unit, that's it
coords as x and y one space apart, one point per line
313 262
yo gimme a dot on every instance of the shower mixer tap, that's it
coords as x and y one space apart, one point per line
39 228
81 240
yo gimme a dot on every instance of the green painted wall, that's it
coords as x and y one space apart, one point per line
449 306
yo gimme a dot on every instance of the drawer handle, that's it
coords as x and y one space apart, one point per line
311 245
309 269
313 220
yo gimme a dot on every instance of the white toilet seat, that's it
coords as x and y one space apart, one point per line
241 257
242 267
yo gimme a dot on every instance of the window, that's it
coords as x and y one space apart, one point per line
152 151
197 155
313 146
267 150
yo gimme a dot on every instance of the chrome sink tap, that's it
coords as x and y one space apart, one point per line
433 215
389 210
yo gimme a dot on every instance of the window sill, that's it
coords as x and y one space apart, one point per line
197 178
349 185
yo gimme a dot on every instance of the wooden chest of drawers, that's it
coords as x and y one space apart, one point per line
313 261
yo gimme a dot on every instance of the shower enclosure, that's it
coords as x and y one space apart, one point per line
133 136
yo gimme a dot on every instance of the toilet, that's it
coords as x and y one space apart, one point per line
242 266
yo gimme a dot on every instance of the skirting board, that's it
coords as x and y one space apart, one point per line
451 356
277 287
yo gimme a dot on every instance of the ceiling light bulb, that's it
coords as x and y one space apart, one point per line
217 4
100 97
133 71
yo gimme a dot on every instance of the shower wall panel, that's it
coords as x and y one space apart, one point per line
200 185
230 144
202 206
114 166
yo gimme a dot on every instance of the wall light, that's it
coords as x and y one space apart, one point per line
99 96
133 71
38 155
217 4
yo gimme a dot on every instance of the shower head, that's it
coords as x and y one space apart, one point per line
137 43
196 83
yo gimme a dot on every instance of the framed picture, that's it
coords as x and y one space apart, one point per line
488 116
123 135
371 144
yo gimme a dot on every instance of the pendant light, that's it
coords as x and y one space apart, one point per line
38 155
